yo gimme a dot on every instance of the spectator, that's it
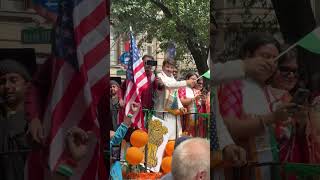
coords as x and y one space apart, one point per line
115 101
202 104
14 80
148 96
175 72
189 100
36 105
189 163
291 138
77 141
116 138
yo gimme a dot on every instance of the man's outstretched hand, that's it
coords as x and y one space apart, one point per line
36 131
77 142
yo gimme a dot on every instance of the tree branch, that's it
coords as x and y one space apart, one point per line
163 8
197 50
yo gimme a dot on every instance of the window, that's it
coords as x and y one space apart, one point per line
14 5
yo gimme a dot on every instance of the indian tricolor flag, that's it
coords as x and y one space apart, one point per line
311 41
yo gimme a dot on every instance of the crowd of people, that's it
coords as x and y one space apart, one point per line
259 116
193 98
192 95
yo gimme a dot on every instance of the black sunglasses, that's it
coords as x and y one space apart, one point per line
286 71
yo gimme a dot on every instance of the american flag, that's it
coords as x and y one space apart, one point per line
79 74
46 8
136 82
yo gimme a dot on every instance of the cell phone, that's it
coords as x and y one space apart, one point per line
301 96
152 63
115 152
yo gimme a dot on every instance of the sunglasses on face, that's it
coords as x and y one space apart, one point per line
286 71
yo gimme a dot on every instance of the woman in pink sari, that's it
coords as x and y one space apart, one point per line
246 111
190 97
202 104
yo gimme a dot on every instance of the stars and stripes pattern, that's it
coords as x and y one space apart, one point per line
136 82
79 79
46 8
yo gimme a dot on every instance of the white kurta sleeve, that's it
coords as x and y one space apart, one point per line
224 72
172 84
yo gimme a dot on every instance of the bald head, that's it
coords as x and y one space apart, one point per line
191 160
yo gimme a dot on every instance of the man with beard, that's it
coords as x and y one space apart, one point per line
14 80
115 101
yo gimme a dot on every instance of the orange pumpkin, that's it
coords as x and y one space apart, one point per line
139 138
169 148
166 164
134 156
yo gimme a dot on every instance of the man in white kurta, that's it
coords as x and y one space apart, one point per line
168 82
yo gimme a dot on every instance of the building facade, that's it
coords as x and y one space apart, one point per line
22 27
120 44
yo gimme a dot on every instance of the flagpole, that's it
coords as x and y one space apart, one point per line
284 52
200 77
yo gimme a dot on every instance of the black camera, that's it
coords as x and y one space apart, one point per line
152 63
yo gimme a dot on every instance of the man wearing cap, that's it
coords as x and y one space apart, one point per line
14 80
36 102
114 102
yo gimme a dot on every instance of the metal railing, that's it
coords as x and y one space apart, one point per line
279 171
149 113
204 117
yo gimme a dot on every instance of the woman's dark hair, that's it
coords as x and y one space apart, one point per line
291 54
200 79
191 74
254 41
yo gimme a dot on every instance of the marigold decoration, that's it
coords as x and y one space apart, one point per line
139 138
166 164
176 112
141 176
134 156
170 148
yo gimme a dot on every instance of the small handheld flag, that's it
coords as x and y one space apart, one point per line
310 42
206 75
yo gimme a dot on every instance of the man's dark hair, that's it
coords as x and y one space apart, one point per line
147 56
254 41
169 61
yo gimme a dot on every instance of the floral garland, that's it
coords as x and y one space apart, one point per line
142 175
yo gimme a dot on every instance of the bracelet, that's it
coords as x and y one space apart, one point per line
70 162
65 170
